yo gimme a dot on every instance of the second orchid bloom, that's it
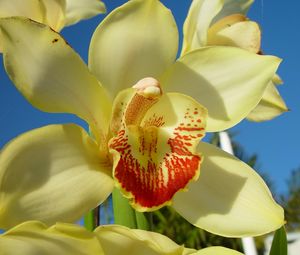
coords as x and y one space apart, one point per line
223 23
145 140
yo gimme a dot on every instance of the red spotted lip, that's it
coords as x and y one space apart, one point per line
152 185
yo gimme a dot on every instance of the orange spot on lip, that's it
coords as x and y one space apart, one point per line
189 129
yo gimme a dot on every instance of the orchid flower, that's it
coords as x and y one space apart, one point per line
218 22
34 237
145 140
55 13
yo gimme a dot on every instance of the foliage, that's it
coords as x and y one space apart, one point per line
291 201
166 221
279 244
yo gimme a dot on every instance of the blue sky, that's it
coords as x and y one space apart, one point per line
275 142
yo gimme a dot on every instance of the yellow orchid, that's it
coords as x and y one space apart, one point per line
55 13
34 237
148 140
223 22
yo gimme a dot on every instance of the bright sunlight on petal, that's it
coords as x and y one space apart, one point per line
229 198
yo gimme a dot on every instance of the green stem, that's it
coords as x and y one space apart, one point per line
142 220
124 214
150 220
89 221
92 219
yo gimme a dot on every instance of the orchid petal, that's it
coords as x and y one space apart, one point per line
155 159
136 40
228 81
277 80
198 20
229 198
35 238
217 250
51 75
233 7
54 173
226 22
117 240
55 13
270 106
243 34
32 9
77 10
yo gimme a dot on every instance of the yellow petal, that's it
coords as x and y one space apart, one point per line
270 106
228 81
154 160
226 22
77 10
1 46
196 25
229 198
35 238
244 34
55 13
116 240
217 250
32 9
277 80
51 75
136 40
232 7
54 173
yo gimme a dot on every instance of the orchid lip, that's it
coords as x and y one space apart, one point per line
154 149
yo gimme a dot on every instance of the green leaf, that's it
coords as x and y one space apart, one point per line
279 244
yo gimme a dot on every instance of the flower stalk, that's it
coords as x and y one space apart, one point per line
92 219
125 215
